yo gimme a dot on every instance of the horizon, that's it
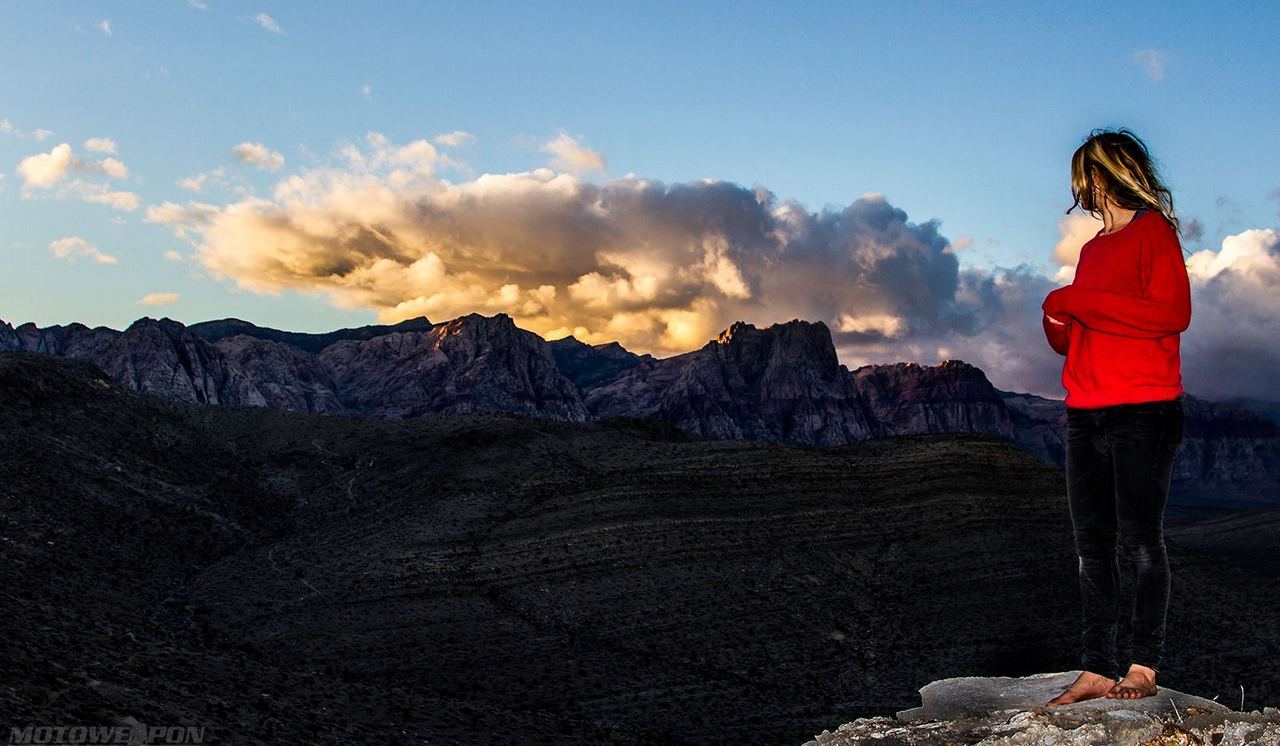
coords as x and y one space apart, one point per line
646 175
713 338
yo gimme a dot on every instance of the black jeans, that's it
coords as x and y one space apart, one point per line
1119 463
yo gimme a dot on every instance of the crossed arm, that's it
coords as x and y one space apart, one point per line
1164 309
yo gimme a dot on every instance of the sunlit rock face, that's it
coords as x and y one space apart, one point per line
781 383
950 397
1011 710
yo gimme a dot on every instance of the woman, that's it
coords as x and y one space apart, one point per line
1118 324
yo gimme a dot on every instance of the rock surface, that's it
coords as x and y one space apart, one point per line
999 711
951 397
587 365
782 383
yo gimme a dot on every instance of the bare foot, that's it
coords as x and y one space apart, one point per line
1088 685
1138 683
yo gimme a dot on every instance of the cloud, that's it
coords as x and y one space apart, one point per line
197 183
196 4
258 155
1192 230
366 92
572 156
72 246
101 194
1074 230
659 267
193 183
101 145
104 26
960 244
40 135
454 139
173 256
113 168
268 23
180 218
159 299
1230 348
45 171
663 267
1152 62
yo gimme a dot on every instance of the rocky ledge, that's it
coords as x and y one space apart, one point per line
1003 711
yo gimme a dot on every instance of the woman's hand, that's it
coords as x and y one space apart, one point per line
1056 332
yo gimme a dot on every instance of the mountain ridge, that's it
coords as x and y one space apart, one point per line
781 382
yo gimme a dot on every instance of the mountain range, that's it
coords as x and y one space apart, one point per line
782 383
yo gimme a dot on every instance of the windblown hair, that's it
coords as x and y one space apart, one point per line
1122 166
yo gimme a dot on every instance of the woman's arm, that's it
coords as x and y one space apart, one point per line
1164 309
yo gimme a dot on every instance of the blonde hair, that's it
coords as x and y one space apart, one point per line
1121 164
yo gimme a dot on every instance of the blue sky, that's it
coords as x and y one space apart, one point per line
964 113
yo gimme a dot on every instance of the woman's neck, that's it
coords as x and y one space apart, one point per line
1114 218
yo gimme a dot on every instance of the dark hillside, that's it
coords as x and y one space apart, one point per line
296 578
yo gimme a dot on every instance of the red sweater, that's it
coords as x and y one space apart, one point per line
1125 310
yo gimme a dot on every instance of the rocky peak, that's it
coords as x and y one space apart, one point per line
782 350
952 396
163 358
163 325
809 336
589 365
781 383
8 338
73 340
471 363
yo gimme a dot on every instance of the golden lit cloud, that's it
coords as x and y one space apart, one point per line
661 268
43 172
258 155
159 299
570 155
70 247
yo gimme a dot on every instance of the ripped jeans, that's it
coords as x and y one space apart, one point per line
1119 465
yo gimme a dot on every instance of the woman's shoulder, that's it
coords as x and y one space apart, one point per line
1154 221
1157 234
